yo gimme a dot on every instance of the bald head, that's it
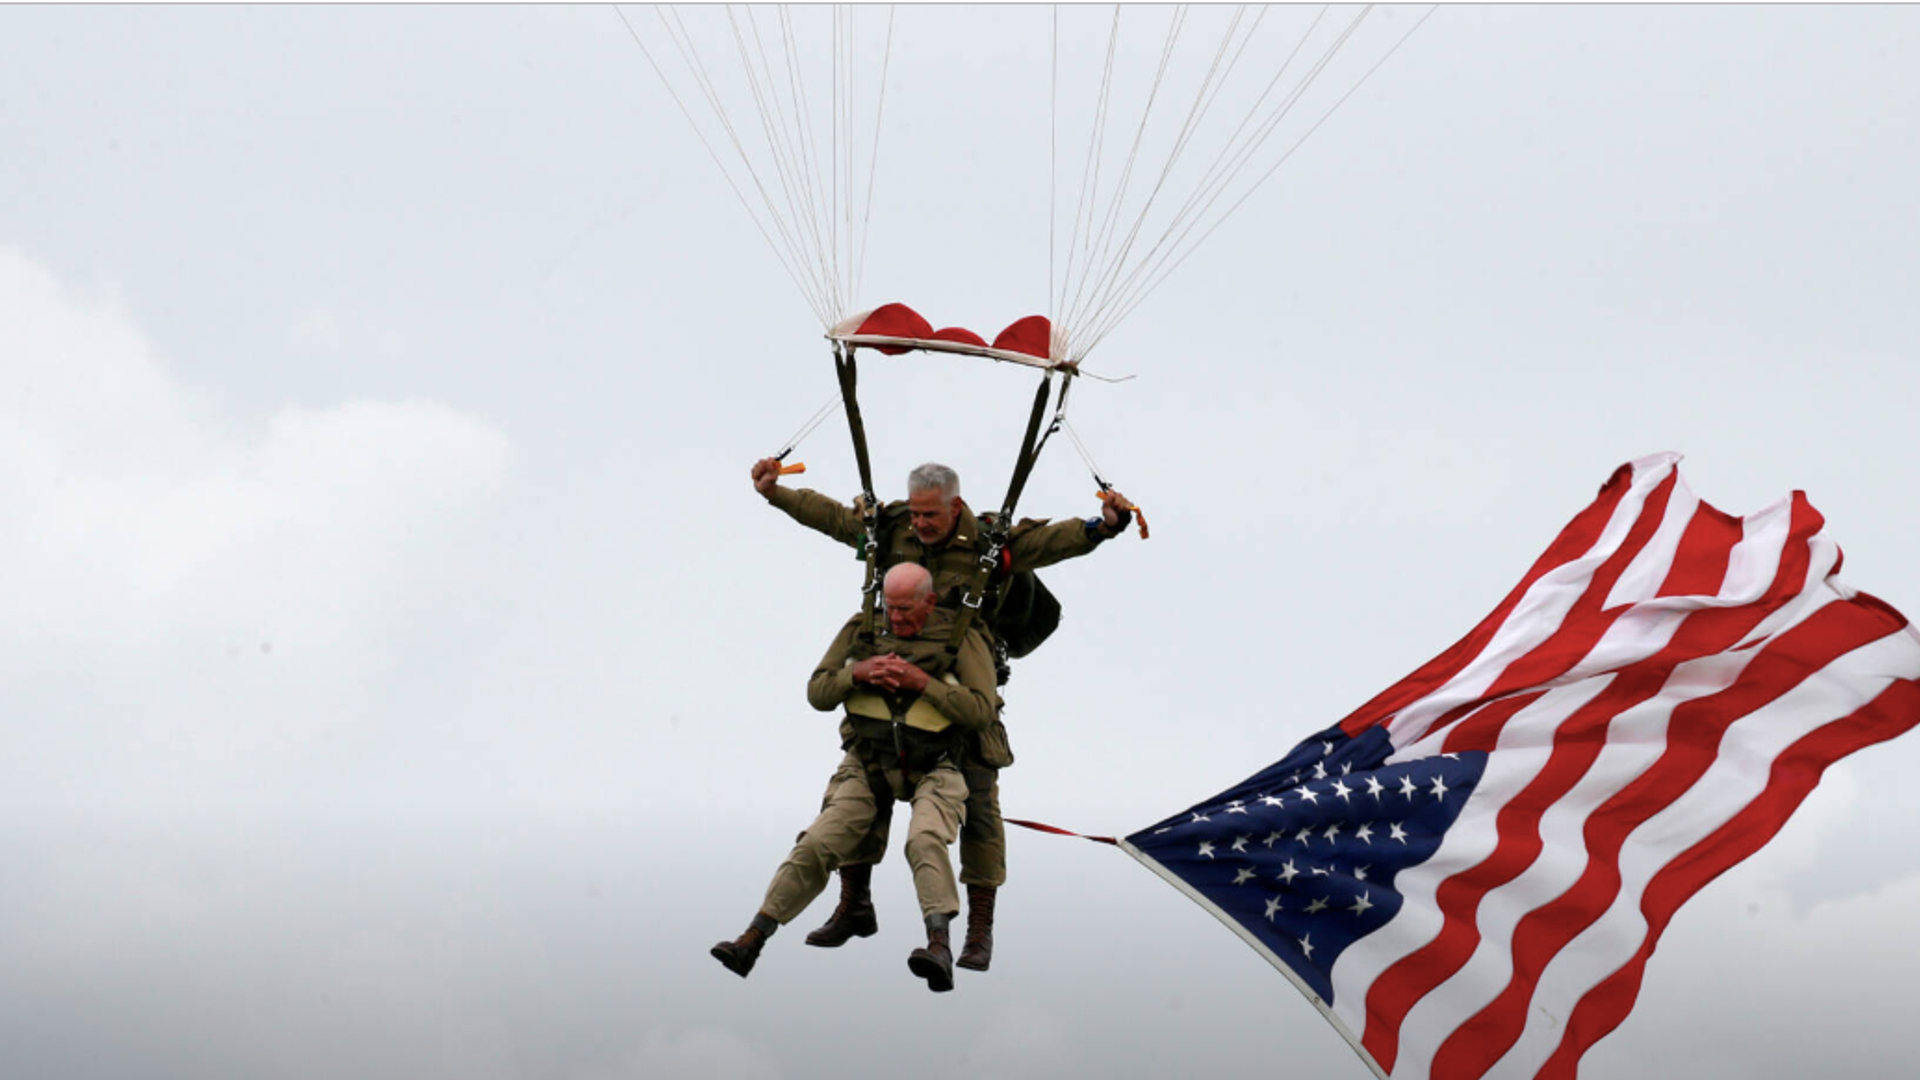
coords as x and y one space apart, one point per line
907 583
908 588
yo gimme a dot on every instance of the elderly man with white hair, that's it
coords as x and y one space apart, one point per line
906 734
933 527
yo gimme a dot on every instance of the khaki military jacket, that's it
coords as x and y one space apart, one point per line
970 700
1034 542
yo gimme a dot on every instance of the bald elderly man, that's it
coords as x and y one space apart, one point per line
936 529
907 734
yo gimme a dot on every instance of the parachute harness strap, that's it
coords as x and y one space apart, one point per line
843 367
979 587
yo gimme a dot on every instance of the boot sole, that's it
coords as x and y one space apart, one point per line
939 978
972 965
726 958
834 943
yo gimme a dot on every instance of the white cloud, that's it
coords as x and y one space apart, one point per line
148 534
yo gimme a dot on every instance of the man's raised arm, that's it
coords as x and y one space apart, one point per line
1035 544
810 508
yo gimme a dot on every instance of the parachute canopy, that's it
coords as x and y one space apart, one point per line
897 328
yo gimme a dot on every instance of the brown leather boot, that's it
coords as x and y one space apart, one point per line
739 954
978 951
935 962
855 916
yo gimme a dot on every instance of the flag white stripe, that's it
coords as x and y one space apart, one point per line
1738 774
1538 614
1524 747
1648 570
1635 740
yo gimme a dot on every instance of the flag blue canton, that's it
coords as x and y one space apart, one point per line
1304 854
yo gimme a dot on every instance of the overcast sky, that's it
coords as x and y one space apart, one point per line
401 679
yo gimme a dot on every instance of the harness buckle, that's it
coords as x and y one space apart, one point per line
972 600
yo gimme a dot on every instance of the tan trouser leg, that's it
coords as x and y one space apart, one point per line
846 813
939 806
983 840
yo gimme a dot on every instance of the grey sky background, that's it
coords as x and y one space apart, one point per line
402 680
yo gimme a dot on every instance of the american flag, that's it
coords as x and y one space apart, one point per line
1468 873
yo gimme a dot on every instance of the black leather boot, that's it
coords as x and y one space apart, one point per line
935 962
855 916
739 954
977 953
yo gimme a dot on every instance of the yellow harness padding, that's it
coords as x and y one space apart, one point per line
921 714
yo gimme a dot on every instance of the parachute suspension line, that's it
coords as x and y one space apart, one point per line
1148 274
1100 479
1053 157
819 417
833 145
1269 173
683 41
800 136
1091 168
1234 152
1202 103
816 202
873 157
853 75
792 270
774 123
1086 457
1106 229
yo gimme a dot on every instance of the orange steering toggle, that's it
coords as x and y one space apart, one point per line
1139 515
796 467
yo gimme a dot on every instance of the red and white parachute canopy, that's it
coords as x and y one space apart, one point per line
896 328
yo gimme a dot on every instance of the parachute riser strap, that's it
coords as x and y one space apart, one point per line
979 588
977 594
848 375
994 535
1031 444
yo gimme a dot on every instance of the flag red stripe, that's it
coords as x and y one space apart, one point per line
1482 730
1795 772
1695 732
1700 564
1588 620
1574 541
1577 743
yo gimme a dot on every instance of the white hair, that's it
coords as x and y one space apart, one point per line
934 477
